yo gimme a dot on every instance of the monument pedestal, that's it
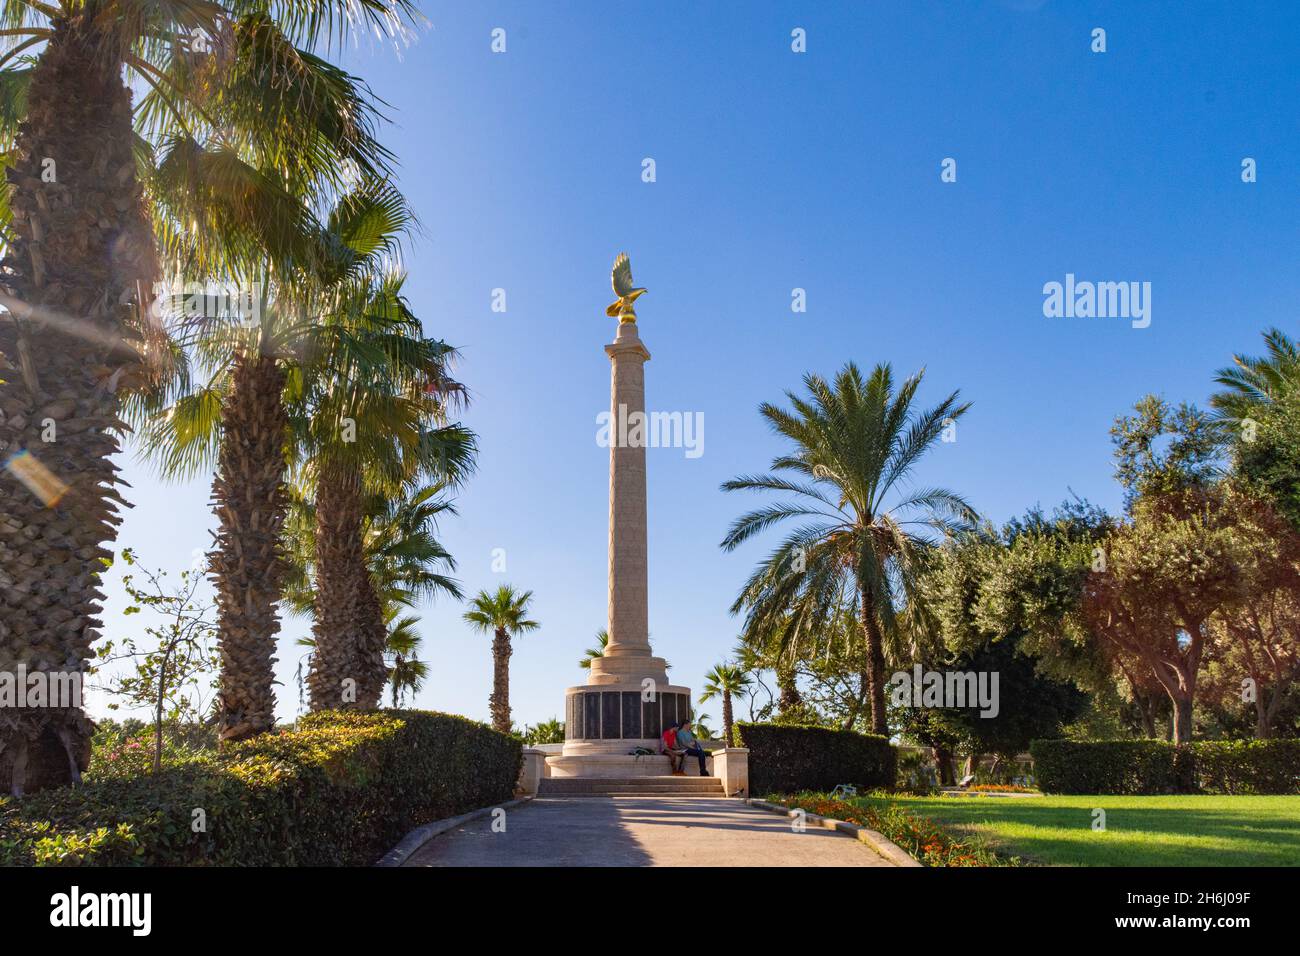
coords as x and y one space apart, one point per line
616 718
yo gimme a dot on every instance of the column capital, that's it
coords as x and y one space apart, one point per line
627 341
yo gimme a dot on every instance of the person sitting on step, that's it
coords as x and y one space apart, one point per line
668 741
690 746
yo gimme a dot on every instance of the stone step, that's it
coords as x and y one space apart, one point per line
630 786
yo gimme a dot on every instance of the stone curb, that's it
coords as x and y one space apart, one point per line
413 841
886 847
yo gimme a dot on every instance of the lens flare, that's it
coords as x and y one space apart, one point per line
40 481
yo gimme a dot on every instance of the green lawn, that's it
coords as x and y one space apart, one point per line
1140 831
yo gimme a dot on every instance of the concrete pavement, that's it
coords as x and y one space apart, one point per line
641 831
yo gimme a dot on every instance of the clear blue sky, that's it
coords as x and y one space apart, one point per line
778 170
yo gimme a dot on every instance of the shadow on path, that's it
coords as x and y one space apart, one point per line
641 831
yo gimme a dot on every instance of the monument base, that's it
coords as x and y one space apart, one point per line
615 766
614 719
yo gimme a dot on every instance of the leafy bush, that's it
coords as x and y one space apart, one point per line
339 789
786 759
1248 766
1112 766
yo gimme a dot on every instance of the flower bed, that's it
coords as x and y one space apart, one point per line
929 843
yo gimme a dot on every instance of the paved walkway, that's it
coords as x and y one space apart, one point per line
641 831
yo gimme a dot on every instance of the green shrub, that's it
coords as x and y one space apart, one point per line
1248 766
788 759
339 789
1153 766
1112 766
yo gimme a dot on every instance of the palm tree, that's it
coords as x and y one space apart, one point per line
367 432
1253 384
597 652
504 614
258 367
725 680
81 264
406 672
405 560
855 442
547 732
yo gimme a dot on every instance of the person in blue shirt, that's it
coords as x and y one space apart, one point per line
690 745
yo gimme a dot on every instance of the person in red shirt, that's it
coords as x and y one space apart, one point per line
668 739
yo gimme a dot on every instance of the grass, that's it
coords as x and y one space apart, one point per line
1140 831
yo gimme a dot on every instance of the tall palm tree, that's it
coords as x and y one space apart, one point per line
369 429
855 442
725 680
597 652
257 367
80 266
504 614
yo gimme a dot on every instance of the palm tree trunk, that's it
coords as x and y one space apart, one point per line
727 739
499 702
347 670
247 565
875 670
790 697
79 261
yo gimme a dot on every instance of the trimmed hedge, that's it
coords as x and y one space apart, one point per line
1248 766
788 759
1111 766
1156 767
339 789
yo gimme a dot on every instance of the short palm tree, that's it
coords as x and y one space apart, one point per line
597 652
702 729
855 442
406 672
504 614
725 680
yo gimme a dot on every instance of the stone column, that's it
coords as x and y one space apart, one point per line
629 611
627 656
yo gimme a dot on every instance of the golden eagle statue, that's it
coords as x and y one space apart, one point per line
621 279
